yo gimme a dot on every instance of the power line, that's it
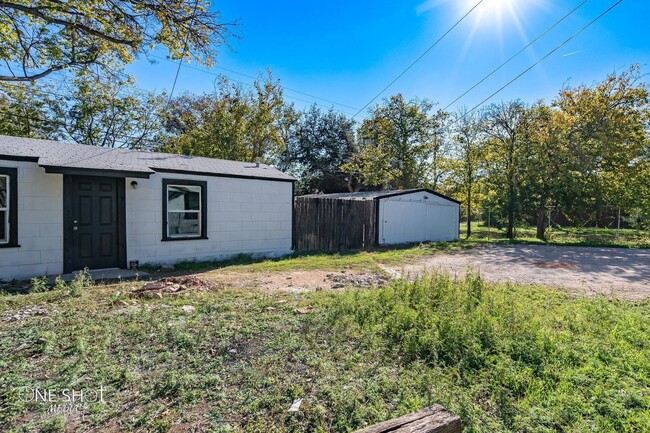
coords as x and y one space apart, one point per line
539 61
516 55
180 61
255 78
128 94
420 57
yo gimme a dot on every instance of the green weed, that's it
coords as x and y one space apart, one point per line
505 358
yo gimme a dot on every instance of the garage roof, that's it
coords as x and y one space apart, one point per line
59 157
372 195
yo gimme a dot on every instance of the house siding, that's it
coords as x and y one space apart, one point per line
246 216
40 224
243 216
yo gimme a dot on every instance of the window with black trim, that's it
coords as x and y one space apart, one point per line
8 207
184 209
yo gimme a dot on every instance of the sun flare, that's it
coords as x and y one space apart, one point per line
496 12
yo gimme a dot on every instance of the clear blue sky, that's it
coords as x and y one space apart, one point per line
347 51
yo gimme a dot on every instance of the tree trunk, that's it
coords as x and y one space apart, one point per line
469 212
510 231
541 220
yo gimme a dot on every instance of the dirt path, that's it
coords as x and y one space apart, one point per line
299 281
616 272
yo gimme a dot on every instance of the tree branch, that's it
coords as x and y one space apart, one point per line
37 12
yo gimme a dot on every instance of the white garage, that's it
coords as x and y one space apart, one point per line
417 216
362 220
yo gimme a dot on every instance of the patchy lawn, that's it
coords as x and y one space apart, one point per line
505 358
568 236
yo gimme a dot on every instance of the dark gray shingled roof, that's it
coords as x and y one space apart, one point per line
55 154
371 195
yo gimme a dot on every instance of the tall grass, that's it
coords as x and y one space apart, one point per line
533 360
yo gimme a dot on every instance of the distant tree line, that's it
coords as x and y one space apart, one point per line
581 157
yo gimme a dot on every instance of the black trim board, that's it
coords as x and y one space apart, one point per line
95 172
376 222
19 158
204 209
13 206
237 176
413 191
121 215
293 215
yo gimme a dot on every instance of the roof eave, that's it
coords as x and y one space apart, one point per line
101 172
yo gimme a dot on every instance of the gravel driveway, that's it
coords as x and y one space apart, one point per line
616 272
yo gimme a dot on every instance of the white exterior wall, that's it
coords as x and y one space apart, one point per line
244 216
412 218
40 224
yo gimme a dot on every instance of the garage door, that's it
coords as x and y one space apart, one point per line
415 221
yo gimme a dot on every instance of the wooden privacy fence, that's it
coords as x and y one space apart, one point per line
334 225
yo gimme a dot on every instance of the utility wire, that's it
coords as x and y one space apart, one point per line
180 61
516 55
419 58
232 71
539 61
205 71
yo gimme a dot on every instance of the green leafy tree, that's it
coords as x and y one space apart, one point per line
39 38
468 140
608 136
504 125
106 112
320 143
545 176
398 147
25 112
235 122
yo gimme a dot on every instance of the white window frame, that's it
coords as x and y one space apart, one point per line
7 210
198 212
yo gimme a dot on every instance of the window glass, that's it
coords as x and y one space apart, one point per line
183 197
4 234
4 214
184 223
183 210
3 191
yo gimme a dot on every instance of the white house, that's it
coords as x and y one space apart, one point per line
64 207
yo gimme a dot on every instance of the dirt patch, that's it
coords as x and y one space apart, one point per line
615 272
298 281
170 286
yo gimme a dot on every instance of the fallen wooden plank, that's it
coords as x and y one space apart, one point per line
433 419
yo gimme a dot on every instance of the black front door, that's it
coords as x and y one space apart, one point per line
93 222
